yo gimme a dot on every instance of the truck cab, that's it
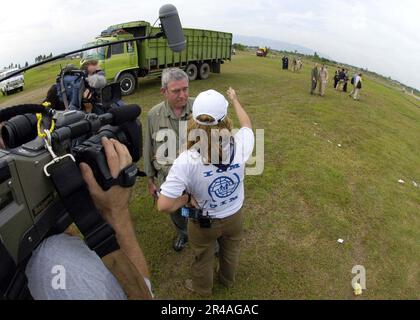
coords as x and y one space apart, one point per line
119 61
205 52
12 84
262 52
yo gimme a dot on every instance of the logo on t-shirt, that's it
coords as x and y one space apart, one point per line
223 187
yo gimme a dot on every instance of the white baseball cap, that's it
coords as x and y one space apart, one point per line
211 103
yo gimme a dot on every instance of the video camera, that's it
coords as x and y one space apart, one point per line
30 207
75 88
41 189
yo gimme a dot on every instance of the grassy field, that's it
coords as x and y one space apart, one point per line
38 80
312 191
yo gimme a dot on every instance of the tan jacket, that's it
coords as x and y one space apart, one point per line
161 118
323 75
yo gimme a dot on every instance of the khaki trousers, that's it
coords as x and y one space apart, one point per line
228 232
322 86
356 94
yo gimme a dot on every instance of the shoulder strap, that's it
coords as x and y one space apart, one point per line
13 281
99 235
63 90
68 181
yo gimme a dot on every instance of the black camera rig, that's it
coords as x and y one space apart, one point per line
41 188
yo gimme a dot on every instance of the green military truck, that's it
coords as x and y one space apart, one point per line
125 62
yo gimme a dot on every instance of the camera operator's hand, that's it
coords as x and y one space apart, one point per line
87 94
113 203
2 145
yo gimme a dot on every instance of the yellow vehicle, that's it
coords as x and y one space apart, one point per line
262 52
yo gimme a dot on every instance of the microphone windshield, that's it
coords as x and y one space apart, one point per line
96 81
172 28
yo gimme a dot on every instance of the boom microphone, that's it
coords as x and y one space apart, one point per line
172 28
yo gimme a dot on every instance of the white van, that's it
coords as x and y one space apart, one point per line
13 84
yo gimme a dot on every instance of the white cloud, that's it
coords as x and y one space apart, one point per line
382 36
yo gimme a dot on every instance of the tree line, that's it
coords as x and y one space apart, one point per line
43 57
39 58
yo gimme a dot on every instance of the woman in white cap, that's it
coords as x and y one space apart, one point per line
210 176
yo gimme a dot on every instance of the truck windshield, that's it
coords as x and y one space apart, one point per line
97 54
6 73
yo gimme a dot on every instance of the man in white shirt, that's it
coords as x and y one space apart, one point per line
213 183
357 86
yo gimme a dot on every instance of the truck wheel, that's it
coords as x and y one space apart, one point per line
127 83
204 71
192 71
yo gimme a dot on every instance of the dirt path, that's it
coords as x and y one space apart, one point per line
32 96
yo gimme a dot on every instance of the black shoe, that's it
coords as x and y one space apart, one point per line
180 243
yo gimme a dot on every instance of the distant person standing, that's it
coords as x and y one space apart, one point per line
294 64
314 77
357 86
285 60
336 78
353 85
346 80
299 64
341 76
323 79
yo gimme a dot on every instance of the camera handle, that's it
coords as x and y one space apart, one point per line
47 141
69 183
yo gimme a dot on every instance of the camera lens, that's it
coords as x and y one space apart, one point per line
19 130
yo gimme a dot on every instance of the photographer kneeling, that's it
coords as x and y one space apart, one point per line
210 177
86 276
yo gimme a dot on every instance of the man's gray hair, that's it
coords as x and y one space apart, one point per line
173 74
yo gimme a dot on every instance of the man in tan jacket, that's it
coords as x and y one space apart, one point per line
323 79
314 77
169 116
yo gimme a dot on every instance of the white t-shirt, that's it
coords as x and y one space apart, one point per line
219 193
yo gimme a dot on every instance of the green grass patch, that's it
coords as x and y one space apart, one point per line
312 191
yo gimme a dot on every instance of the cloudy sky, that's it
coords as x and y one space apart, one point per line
383 36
